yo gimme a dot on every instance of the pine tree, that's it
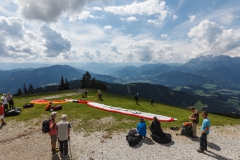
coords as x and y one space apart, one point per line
19 92
94 83
30 89
66 85
24 89
61 85
86 80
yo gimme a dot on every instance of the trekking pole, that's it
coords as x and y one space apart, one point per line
70 149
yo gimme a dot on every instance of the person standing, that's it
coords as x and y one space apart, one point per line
195 120
63 135
141 128
53 131
10 100
151 100
136 97
2 114
204 132
5 102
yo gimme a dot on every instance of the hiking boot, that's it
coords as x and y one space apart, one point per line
200 151
4 123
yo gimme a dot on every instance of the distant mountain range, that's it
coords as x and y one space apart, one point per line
13 79
222 71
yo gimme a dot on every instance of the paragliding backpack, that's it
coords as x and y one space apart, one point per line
133 138
186 129
45 126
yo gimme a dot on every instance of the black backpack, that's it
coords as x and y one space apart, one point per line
186 130
132 138
45 126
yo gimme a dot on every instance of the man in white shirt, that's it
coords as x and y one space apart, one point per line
63 129
5 102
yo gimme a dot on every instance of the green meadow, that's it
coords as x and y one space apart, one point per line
85 118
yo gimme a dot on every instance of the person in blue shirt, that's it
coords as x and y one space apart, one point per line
141 128
204 132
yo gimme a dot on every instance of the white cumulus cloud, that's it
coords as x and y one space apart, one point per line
192 18
107 27
148 8
49 10
54 41
174 17
210 38
164 35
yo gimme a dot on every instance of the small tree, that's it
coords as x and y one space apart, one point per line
93 83
24 89
30 88
86 80
19 92
66 85
61 85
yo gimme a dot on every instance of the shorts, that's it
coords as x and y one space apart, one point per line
53 138
2 117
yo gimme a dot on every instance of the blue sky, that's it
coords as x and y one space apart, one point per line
126 31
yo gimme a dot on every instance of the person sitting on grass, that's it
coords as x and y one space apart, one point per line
141 128
2 114
48 107
156 127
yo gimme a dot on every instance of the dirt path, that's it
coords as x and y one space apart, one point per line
18 142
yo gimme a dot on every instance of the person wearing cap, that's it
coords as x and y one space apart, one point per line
5 102
10 100
63 128
2 114
141 128
48 107
195 120
53 131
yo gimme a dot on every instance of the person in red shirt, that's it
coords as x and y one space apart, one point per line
53 131
48 107
2 114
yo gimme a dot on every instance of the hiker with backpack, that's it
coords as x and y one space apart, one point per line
195 120
151 101
204 132
2 114
141 128
63 128
53 131
136 97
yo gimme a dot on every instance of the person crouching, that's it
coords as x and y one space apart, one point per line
141 128
63 128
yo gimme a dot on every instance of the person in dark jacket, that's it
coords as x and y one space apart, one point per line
156 127
141 128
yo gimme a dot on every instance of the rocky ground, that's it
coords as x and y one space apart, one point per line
18 142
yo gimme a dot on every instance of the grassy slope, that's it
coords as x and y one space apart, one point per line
86 118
